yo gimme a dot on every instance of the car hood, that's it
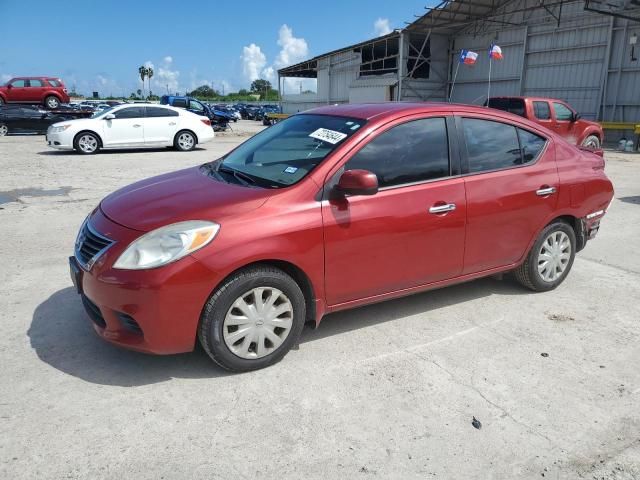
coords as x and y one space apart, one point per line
179 196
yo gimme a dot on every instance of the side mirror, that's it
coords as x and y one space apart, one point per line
109 116
575 117
9 86
357 182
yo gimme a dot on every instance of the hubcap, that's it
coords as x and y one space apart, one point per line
52 103
3 130
258 322
185 141
88 143
554 256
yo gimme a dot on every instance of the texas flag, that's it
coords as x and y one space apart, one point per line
468 57
495 52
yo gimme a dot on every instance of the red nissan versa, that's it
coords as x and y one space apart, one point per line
331 209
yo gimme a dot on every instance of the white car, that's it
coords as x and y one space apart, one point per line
132 126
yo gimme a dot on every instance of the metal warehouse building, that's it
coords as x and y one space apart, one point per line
584 52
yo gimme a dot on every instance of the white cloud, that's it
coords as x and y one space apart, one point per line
5 77
253 61
381 27
293 49
165 77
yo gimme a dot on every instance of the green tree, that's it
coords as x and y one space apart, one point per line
149 75
142 71
204 91
260 86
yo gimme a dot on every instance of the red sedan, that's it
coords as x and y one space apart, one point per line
331 209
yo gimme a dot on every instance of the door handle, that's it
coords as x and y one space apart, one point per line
447 207
137 125
545 191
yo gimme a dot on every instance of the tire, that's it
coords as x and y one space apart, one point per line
556 245
4 129
51 102
2 101
239 342
86 143
184 141
592 141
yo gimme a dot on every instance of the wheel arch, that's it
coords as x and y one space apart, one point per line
578 228
195 135
294 271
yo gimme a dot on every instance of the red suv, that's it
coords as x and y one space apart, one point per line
334 208
48 91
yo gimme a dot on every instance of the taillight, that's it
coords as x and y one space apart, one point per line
206 121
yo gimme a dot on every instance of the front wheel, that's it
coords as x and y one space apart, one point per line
592 141
184 141
550 259
3 129
86 143
253 319
52 102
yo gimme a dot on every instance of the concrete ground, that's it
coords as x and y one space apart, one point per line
386 391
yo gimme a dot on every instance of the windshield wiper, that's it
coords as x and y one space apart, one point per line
241 177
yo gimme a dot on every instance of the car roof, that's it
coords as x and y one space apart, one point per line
368 111
126 105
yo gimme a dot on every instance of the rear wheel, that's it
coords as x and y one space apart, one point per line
51 102
184 141
253 319
86 143
592 141
550 259
1 101
3 129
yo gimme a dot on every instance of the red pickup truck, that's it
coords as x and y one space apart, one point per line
554 114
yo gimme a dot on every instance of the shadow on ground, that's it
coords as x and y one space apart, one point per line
62 153
635 199
62 336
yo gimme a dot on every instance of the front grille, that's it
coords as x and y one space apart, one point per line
94 312
90 245
129 323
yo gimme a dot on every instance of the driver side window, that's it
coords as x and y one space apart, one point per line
412 152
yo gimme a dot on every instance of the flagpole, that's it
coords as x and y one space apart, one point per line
455 75
489 86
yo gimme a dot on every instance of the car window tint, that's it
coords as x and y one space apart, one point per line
54 83
35 83
160 112
180 103
531 145
511 105
490 145
541 110
412 152
562 112
131 112
18 83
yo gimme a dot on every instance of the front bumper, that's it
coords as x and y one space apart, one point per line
56 140
152 311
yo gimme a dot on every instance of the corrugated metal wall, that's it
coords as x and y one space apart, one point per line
434 88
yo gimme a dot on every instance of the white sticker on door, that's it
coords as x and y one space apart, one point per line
329 136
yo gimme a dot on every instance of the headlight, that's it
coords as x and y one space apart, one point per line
167 244
60 128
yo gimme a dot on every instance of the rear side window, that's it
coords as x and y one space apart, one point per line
180 103
531 145
412 152
511 105
160 112
562 112
541 110
35 83
490 145
54 83
131 112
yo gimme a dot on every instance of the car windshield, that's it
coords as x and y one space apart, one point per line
286 152
99 113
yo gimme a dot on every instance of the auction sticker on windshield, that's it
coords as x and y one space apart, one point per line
329 136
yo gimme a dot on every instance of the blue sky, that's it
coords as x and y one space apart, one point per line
100 45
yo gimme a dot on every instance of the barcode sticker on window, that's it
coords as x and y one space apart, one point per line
329 136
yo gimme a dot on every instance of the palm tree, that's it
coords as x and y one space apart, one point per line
149 75
143 71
